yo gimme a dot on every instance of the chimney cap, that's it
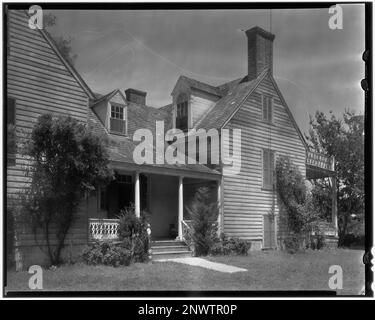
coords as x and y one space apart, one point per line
262 32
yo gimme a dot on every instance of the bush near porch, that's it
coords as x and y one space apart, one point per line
132 246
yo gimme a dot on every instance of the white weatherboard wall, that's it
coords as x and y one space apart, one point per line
40 83
200 103
245 201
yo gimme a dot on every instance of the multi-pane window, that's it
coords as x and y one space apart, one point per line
117 112
117 121
121 178
268 168
267 108
182 112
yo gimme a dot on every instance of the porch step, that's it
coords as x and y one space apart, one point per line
167 243
169 249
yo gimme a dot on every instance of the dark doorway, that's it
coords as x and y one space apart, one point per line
120 194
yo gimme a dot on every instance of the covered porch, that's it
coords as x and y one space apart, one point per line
320 166
161 191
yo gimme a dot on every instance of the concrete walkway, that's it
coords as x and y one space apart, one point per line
199 262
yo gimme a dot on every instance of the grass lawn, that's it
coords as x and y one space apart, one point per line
267 270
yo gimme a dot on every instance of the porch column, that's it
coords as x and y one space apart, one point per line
219 207
334 204
137 203
180 205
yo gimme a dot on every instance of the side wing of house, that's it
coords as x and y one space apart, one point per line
38 81
249 199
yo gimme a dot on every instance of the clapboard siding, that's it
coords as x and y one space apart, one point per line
41 83
245 201
200 103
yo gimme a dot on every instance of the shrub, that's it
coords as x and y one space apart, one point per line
317 241
229 246
292 243
240 247
132 232
203 212
353 240
106 253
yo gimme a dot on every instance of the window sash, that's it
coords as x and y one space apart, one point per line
182 115
117 112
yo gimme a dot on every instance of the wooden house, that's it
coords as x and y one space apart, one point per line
40 80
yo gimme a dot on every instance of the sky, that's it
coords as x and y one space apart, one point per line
316 68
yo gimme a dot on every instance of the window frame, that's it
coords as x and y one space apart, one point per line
120 113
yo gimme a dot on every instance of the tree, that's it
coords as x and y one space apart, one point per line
203 212
67 161
343 139
64 44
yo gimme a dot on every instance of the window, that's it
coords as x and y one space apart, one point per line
117 112
182 112
117 120
126 179
267 108
11 132
268 168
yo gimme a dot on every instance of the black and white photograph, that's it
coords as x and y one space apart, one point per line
187 149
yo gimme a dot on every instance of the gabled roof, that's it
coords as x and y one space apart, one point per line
70 68
195 84
107 97
236 92
224 108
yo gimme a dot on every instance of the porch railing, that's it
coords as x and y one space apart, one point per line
103 229
319 160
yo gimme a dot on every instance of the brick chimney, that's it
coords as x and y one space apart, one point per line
259 51
136 96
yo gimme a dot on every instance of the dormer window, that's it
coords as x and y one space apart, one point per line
182 112
117 122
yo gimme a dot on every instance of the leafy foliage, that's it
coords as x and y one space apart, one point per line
106 253
230 246
67 161
132 232
292 191
299 215
203 212
343 139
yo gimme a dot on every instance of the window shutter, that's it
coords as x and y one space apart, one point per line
11 111
264 104
269 115
272 166
266 166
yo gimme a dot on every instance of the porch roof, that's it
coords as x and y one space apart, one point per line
126 162
319 165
